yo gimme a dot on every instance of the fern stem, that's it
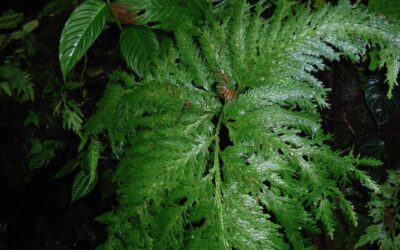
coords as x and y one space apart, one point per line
216 161
218 179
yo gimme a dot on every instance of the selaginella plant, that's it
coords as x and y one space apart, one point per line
384 208
222 142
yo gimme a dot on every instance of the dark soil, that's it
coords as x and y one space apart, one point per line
35 209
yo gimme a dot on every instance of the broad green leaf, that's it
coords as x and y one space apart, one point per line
82 185
36 146
80 31
139 46
41 153
16 35
30 26
93 157
55 6
10 20
6 88
32 118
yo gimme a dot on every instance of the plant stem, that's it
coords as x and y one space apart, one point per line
216 161
218 180
114 15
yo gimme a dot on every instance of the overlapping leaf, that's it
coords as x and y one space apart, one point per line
82 185
167 14
80 31
93 158
139 48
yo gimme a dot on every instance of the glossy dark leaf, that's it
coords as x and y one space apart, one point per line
378 149
381 107
373 147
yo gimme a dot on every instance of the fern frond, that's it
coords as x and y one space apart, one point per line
295 220
325 214
107 109
332 31
367 161
72 116
18 82
384 211
201 171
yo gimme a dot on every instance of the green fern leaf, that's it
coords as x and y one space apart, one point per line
383 208
107 112
366 180
72 116
139 47
80 31
348 210
222 151
369 162
17 83
325 214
